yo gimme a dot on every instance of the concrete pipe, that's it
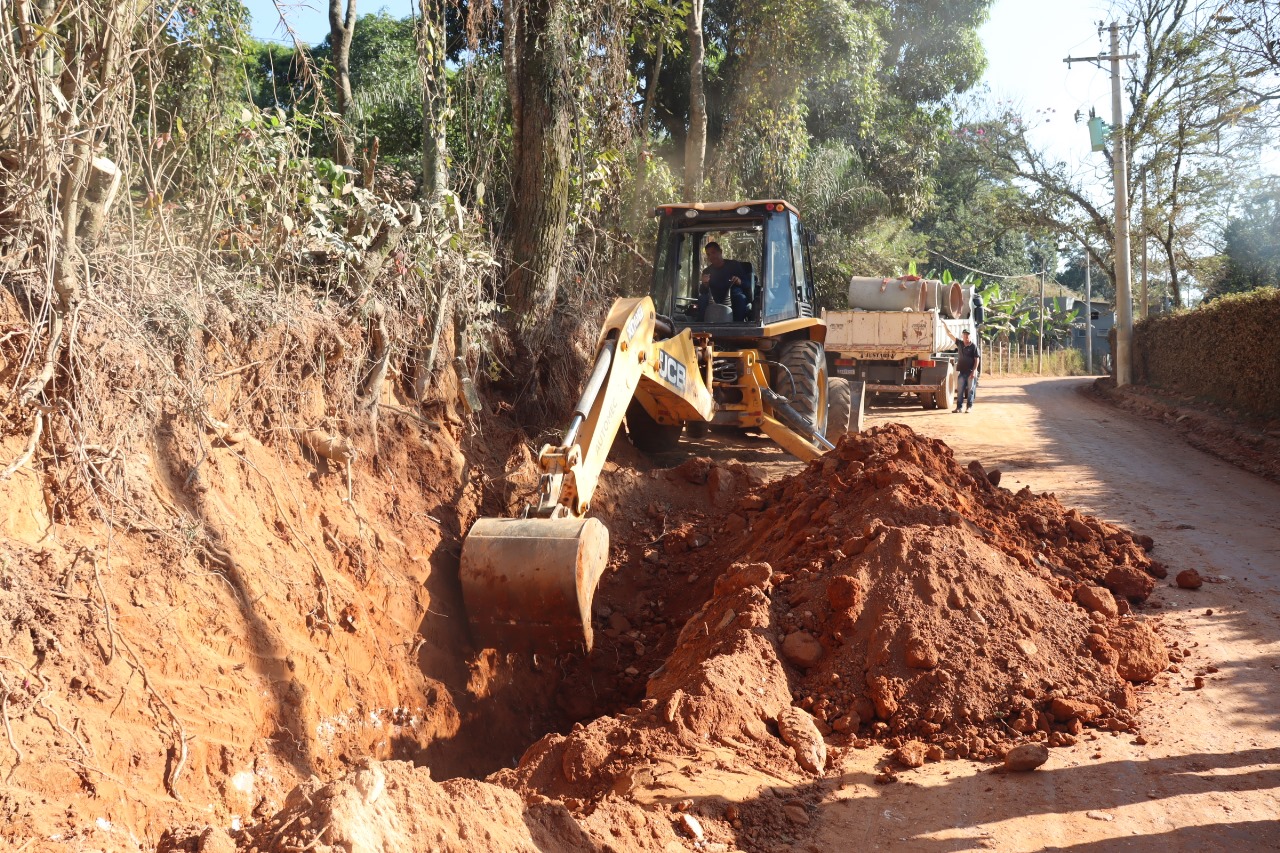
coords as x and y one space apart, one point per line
886 294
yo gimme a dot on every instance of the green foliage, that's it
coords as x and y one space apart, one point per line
1251 251
197 63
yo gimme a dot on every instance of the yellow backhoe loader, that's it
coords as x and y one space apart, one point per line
734 344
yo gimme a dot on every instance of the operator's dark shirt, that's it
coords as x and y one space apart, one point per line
721 279
969 356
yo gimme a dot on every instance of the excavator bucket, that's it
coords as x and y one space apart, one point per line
528 582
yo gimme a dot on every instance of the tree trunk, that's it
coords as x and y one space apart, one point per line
435 100
651 91
539 210
695 148
341 29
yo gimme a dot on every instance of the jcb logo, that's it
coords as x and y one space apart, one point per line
671 371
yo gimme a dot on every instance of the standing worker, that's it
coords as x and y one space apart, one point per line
969 366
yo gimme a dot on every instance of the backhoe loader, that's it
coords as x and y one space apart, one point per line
676 359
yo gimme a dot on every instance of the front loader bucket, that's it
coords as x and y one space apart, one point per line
528 582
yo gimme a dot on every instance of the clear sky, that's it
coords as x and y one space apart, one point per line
1026 41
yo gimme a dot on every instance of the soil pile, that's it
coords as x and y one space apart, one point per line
915 600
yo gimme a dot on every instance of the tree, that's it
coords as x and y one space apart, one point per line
341 30
435 98
536 55
695 150
1192 122
1251 253
1251 28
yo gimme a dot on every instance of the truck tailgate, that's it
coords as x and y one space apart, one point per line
884 334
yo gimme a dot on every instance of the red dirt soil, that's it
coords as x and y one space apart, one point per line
883 594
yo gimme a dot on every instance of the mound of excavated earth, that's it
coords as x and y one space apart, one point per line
884 595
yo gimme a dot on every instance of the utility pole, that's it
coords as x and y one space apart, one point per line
1120 177
1088 313
1040 345
1143 303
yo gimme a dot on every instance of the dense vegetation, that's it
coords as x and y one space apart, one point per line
490 168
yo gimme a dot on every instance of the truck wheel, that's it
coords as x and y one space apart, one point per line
942 399
649 435
839 408
807 364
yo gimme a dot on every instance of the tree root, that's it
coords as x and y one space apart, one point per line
34 440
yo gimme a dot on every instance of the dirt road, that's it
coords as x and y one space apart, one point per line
1208 777
1205 775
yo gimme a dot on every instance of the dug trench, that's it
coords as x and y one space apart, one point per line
883 598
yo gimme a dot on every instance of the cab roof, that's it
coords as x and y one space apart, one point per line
725 206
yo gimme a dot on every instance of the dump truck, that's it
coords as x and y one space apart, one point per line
898 337
747 355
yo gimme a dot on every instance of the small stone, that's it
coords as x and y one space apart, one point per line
1189 579
800 732
732 812
1198 683
994 476
698 540
619 623
742 576
1129 582
802 649
734 525
1069 709
1097 600
934 752
689 825
1080 530
796 813
1141 655
1028 756
847 723
886 778
1094 815
920 653
684 805
911 754
843 592
632 671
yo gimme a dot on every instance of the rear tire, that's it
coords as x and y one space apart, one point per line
807 364
839 408
647 434
942 399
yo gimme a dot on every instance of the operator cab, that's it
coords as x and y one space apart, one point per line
770 252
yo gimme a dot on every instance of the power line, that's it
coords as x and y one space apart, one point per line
971 269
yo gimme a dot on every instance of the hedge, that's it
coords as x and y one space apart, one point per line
1227 351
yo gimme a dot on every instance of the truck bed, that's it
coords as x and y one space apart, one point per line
890 335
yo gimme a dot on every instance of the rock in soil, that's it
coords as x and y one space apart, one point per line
1028 756
911 754
1141 653
1189 579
